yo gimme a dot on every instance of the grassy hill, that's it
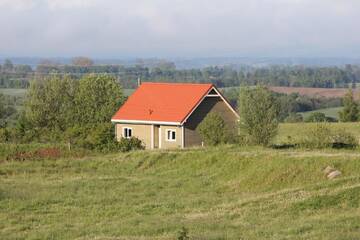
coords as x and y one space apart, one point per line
220 193
296 131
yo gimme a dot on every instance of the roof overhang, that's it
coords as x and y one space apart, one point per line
145 122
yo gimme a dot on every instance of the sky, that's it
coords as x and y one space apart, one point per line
180 28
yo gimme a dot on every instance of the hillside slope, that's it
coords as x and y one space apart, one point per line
220 193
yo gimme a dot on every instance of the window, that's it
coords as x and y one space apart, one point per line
171 135
127 132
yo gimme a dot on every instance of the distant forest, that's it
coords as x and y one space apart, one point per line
18 76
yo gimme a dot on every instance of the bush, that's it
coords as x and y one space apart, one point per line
213 130
316 117
98 137
321 136
129 144
318 136
350 112
183 234
294 118
343 139
4 135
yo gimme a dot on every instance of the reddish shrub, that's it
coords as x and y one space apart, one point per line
48 153
41 153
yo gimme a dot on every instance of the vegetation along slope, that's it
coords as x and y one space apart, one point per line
223 192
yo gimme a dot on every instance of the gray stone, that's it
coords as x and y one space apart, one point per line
328 170
334 174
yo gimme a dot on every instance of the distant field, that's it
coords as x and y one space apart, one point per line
330 112
316 92
13 91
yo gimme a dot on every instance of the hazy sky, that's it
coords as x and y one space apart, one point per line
180 28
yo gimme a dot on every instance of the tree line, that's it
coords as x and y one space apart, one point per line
19 76
64 109
78 112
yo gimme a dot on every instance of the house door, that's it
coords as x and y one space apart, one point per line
156 136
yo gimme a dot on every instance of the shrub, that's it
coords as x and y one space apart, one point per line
316 117
183 234
318 136
350 112
129 144
343 139
321 136
98 137
4 135
213 130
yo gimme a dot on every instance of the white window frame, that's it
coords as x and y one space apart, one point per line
167 135
124 133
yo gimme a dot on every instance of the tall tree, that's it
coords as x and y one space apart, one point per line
97 98
8 65
258 114
2 106
350 112
50 102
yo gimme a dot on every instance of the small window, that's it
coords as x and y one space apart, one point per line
170 135
127 132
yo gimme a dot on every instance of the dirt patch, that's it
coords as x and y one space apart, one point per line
316 92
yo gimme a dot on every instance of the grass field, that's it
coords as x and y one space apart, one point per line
220 193
13 91
329 112
299 130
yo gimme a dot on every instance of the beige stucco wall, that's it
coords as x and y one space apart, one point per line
141 131
170 144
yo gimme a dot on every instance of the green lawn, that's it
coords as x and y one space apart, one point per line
299 130
13 91
220 193
329 112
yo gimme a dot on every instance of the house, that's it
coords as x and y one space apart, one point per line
165 115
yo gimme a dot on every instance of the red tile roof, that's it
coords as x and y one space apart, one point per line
163 102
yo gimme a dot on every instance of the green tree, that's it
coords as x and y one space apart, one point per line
213 130
2 105
82 61
2 110
97 99
8 65
50 103
350 112
258 114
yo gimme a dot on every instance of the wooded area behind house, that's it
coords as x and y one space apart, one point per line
18 76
